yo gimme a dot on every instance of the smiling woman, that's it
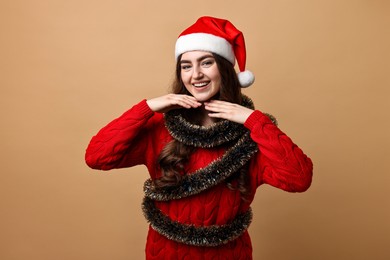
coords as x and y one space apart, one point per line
200 75
207 150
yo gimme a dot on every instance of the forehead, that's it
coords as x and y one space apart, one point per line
195 55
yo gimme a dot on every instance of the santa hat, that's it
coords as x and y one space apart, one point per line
218 36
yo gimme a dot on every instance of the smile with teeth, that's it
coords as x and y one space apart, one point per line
200 84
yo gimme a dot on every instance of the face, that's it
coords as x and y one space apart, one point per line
200 74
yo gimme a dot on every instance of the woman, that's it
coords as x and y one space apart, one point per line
206 148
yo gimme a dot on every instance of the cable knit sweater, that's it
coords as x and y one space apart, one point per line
138 136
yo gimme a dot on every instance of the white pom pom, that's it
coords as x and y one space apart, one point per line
246 78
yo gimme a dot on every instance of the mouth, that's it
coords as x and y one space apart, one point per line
201 84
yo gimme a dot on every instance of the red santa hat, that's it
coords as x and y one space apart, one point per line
218 36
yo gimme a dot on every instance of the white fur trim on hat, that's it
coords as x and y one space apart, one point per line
204 42
246 78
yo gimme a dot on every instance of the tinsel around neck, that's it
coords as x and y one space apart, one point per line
204 136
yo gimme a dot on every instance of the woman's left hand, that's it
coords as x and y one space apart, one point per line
226 110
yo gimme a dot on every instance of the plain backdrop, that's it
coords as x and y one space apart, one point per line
69 67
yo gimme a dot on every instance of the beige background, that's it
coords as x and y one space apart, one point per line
69 67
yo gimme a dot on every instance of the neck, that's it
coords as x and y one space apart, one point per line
203 117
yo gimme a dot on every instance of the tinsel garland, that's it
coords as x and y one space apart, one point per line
209 176
195 235
204 136
216 172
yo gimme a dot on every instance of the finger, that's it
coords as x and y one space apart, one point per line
219 103
215 115
217 107
214 109
189 98
176 102
218 115
184 96
185 101
191 101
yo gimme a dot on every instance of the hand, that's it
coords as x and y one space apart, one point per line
172 101
230 111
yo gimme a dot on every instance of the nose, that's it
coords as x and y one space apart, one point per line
197 73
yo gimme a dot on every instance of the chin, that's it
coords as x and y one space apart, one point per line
202 99
205 97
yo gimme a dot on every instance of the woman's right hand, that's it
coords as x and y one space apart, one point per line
172 101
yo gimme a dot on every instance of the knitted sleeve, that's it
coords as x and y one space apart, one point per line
280 162
123 142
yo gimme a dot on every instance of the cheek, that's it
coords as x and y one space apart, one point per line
184 78
217 78
215 75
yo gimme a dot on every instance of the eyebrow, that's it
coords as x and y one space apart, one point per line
198 59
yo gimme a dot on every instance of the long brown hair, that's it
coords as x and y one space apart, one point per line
175 154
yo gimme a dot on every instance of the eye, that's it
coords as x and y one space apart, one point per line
185 67
207 63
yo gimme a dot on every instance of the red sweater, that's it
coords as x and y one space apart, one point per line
138 136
